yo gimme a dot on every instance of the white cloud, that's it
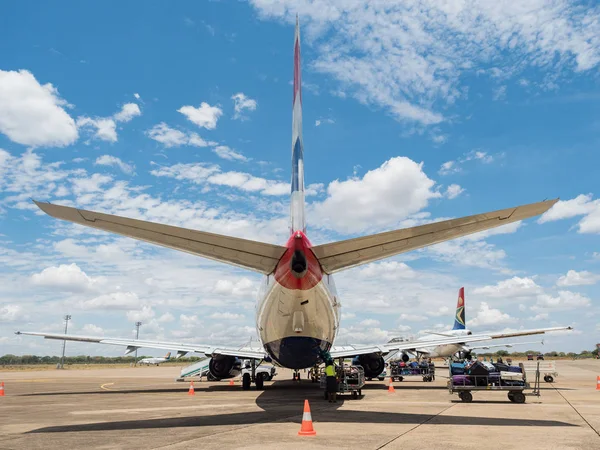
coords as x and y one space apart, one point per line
200 173
382 198
170 137
566 300
108 160
66 277
33 114
92 330
409 56
136 95
243 287
11 313
412 318
499 93
511 288
369 323
166 317
187 321
320 122
205 116
450 167
582 205
143 314
128 112
541 316
116 300
242 103
488 316
453 191
106 127
226 316
574 278
222 151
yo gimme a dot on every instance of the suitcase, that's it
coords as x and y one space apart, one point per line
461 380
478 369
501 367
514 369
511 376
457 368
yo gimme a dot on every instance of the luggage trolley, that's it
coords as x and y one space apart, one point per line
424 370
514 383
351 379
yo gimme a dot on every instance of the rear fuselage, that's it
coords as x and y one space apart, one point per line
298 308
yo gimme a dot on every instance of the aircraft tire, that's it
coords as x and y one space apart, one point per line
246 382
259 382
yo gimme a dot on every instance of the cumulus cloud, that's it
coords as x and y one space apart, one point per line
488 316
116 300
91 329
242 103
170 137
226 316
241 288
565 300
33 114
108 160
106 127
450 167
143 314
574 278
204 116
453 191
411 57
511 288
66 278
382 198
582 205
11 313
222 151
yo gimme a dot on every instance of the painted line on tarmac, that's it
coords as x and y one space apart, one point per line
103 386
576 410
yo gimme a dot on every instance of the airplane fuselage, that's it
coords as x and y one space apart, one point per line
298 309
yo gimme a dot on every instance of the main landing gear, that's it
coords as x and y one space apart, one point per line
296 375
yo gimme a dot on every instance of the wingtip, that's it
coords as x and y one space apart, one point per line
17 332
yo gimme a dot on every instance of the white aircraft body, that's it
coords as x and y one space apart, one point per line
424 348
298 312
155 361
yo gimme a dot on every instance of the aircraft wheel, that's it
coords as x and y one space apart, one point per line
400 378
259 382
548 378
466 397
246 382
354 395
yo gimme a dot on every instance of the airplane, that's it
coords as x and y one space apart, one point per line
156 361
449 350
298 310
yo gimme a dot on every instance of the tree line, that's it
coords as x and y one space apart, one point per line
14 360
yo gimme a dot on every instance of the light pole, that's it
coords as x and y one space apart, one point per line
137 336
62 359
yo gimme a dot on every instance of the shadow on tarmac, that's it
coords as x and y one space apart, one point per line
281 401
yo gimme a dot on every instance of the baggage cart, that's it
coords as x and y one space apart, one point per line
351 379
513 383
546 368
398 372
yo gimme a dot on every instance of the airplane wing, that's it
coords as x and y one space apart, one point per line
252 255
421 346
340 255
133 344
509 345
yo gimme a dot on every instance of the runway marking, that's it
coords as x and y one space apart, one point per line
577 411
103 386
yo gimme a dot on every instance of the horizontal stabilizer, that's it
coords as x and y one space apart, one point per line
337 256
251 255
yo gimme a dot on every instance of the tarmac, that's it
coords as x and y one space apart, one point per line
145 407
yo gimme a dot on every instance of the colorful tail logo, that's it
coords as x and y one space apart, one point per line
459 318
168 356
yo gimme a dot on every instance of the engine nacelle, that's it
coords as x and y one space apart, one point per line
372 363
405 357
221 367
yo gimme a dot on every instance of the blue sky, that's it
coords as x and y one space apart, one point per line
181 114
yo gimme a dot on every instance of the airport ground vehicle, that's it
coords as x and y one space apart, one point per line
399 370
546 368
513 383
351 379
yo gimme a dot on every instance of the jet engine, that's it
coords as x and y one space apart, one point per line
372 363
405 357
221 367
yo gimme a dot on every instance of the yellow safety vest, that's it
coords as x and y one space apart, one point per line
330 371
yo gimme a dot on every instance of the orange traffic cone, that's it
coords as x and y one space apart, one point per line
307 428
231 382
391 389
191 390
2 387
597 385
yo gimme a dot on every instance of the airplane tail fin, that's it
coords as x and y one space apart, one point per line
168 355
459 318
297 219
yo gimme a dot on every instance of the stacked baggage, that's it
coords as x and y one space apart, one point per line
401 369
480 375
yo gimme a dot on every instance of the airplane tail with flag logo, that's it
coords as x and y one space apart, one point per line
297 219
168 356
459 318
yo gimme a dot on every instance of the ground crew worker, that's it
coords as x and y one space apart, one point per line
331 381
